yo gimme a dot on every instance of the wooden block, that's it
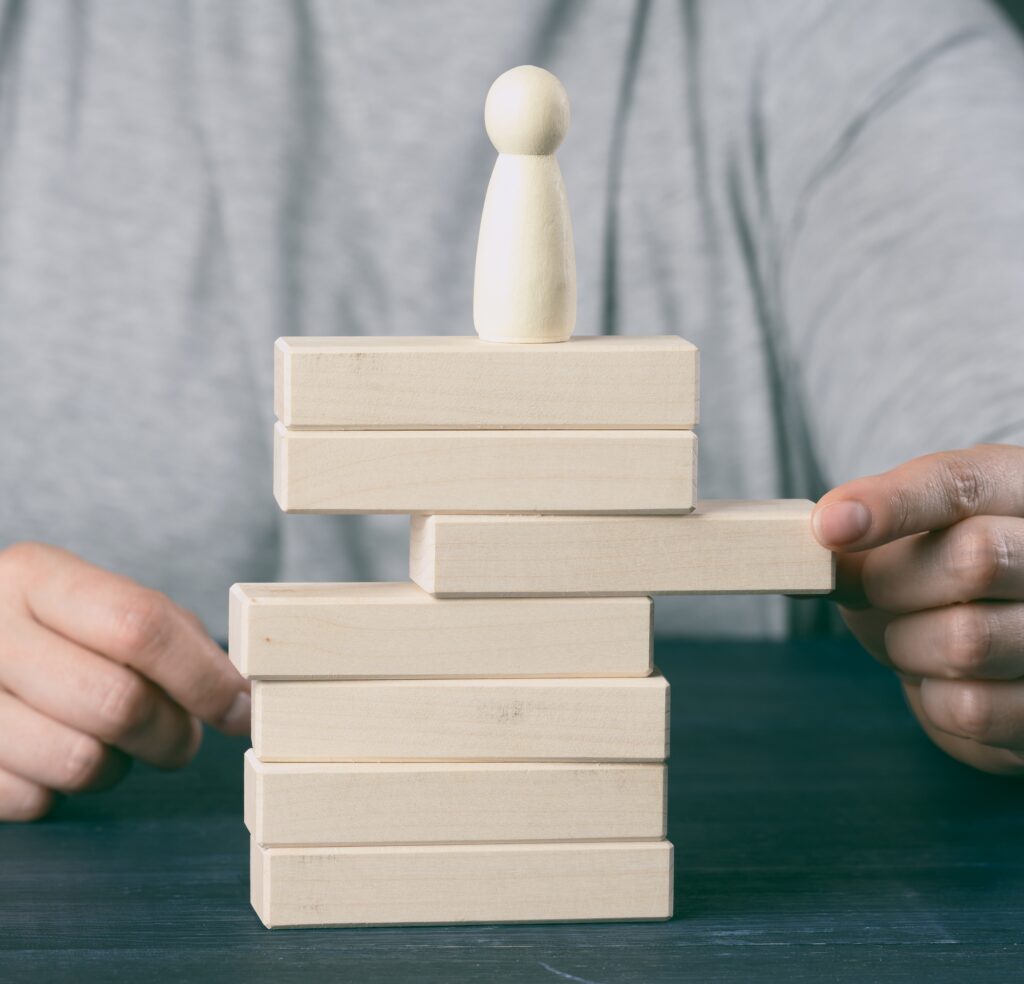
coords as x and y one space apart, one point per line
723 547
359 803
459 382
395 629
484 471
468 720
465 883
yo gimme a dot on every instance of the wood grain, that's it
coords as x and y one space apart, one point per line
468 720
504 471
358 886
441 382
723 547
395 629
343 803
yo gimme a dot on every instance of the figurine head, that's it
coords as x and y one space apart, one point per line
527 112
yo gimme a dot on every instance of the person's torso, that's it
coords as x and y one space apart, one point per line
181 185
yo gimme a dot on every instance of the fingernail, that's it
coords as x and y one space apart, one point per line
236 719
841 523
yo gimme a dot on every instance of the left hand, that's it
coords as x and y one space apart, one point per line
930 579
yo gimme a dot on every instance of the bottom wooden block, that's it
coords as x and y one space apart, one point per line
467 883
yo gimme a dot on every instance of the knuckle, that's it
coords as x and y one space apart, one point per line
19 559
186 747
968 640
22 552
902 508
901 641
33 804
126 706
192 619
965 484
83 763
978 558
142 622
971 711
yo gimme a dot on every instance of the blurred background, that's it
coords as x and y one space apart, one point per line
1015 9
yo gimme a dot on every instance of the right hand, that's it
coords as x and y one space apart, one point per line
95 670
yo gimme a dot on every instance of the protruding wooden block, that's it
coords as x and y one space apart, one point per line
395 629
359 803
463 383
723 547
466 883
498 471
613 720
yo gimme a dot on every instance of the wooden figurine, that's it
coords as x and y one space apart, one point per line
525 287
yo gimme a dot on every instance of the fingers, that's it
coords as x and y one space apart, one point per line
137 627
978 641
47 753
927 493
932 574
983 711
1000 761
96 696
22 800
979 558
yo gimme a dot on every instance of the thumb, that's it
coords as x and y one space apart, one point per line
927 493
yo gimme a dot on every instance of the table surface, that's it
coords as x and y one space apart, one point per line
818 837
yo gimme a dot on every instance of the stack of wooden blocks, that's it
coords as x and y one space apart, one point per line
487 743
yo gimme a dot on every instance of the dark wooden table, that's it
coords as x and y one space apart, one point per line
819 837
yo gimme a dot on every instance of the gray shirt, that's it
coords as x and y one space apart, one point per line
826 197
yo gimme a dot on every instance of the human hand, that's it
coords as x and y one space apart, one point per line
95 670
930 579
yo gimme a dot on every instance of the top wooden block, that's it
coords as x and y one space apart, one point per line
460 382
